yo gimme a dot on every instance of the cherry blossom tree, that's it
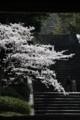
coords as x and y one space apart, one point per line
20 59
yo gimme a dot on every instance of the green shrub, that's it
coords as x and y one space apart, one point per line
14 105
8 113
23 89
11 92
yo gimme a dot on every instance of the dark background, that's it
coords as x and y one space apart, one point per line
38 6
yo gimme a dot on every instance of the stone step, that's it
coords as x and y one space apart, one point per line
56 96
55 103
58 104
52 96
62 116
61 102
57 111
55 93
57 108
57 99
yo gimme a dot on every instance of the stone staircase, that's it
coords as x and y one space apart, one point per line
53 103
49 104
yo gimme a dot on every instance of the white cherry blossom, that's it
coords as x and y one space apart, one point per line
28 61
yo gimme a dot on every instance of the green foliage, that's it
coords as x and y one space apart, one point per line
22 89
57 26
57 30
43 25
67 23
14 105
11 92
10 114
70 22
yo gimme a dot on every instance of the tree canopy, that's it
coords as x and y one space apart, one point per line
19 59
67 23
29 19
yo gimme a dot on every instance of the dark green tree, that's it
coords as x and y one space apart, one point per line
70 22
29 19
